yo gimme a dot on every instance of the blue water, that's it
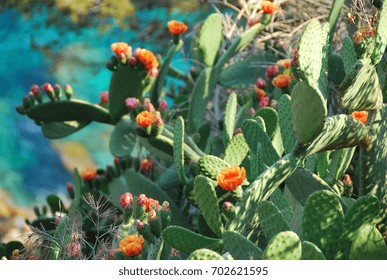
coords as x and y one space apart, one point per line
29 167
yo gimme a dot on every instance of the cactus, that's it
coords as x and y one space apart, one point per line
285 245
229 117
308 112
205 196
204 254
210 38
187 241
178 149
285 123
381 37
241 248
271 219
360 89
349 55
368 244
123 138
323 221
236 150
311 252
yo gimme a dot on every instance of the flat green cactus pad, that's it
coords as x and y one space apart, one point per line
240 247
368 244
285 245
308 112
210 38
311 252
57 130
360 90
204 254
123 138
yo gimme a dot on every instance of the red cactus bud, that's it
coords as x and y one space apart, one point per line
260 93
147 165
271 71
260 83
132 61
116 161
253 21
227 206
148 105
142 200
68 91
104 97
73 249
126 199
264 102
163 106
132 103
252 111
47 87
347 180
238 131
140 225
154 72
70 187
35 89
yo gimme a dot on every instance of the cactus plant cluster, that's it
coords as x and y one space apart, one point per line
287 180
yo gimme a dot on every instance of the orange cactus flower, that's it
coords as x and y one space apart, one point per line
260 93
121 49
269 7
145 119
88 174
131 245
148 59
177 27
360 115
285 63
231 177
281 81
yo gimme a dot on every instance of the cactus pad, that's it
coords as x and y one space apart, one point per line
311 252
285 245
57 130
212 165
323 221
285 123
178 152
349 54
368 244
123 138
188 241
236 150
240 247
271 219
204 254
381 36
360 90
308 112
205 196
210 38
229 116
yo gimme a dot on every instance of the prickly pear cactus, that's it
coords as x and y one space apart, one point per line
285 245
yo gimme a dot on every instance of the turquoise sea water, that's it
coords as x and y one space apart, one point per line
31 53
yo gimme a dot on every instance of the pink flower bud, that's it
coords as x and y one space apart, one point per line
48 88
271 71
264 102
57 220
238 131
73 249
140 225
132 61
70 187
252 111
35 89
227 206
142 200
137 51
132 103
148 105
163 105
154 72
104 97
126 199
116 161
260 83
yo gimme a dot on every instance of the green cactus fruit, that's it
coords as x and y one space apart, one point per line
372 163
138 184
285 123
205 196
210 166
285 245
310 53
204 254
236 150
252 132
308 112
210 38
365 210
57 130
340 131
240 247
125 82
188 241
349 54
336 72
381 37
63 111
323 221
368 244
202 93
271 219
56 204
260 190
229 117
178 150
123 138
155 250
243 73
360 90
157 86
311 252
